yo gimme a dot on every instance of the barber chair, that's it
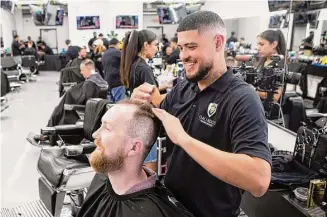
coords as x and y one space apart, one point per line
69 77
10 67
79 110
30 63
63 165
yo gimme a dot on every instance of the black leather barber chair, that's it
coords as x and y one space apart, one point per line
296 114
76 112
64 167
69 77
29 62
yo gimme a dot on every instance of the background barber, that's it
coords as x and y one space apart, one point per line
270 43
216 122
111 63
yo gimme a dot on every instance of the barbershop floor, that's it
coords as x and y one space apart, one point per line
29 110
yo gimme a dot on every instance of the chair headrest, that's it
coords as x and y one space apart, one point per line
94 110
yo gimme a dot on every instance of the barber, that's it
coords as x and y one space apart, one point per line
216 122
270 43
17 47
111 63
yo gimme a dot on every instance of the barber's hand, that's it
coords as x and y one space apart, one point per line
144 93
173 126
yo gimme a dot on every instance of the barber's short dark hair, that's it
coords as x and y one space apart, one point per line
232 33
174 39
15 36
113 41
29 38
201 21
67 42
100 35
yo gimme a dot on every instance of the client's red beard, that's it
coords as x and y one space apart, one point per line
103 164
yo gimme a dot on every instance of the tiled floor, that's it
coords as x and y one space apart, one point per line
29 110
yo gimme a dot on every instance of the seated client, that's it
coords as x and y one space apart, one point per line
92 87
122 185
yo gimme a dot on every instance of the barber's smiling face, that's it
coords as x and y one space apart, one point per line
196 52
111 140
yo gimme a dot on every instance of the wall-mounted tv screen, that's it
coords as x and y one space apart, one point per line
275 21
300 19
317 4
60 17
172 13
127 22
279 5
313 19
275 5
8 5
164 15
88 22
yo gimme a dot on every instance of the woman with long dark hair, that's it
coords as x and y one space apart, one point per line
270 43
134 71
137 47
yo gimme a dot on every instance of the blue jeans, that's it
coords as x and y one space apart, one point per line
116 94
152 156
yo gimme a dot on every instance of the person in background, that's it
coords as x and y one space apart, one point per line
97 57
232 38
174 56
242 41
30 50
164 39
91 41
17 47
46 49
134 70
270 43
111 63
72 51
81 57
230 58
105 41
39 43
29 39
308 41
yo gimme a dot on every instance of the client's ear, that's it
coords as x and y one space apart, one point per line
135 147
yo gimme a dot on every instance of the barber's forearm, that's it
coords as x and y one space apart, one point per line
240 170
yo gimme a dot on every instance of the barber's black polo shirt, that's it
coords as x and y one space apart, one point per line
140 73
228 116
16 51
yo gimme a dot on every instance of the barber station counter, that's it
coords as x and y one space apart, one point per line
278 203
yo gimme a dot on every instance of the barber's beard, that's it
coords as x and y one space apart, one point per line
202 72
103 164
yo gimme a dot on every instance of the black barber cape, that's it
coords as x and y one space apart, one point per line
102 201
78 94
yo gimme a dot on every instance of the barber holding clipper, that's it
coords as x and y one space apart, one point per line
216 122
